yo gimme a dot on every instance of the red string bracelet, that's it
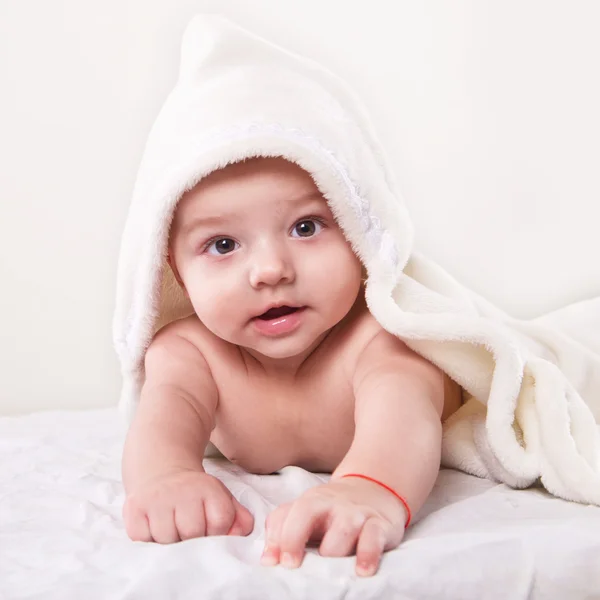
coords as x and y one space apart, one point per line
389 489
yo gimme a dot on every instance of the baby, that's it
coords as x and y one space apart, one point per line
281 364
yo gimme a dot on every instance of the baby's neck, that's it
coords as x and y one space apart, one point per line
283 369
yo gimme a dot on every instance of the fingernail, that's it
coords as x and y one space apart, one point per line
268 560
365 570
270 555
287 560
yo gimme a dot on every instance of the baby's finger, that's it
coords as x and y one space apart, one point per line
219 516
136 523
303 518
162 525
273 527
190 520
243 522
340 539
371 543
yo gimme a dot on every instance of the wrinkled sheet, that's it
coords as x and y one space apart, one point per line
62 536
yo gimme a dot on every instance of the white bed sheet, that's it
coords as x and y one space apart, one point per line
62 537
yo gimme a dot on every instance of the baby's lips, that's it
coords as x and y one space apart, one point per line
280 311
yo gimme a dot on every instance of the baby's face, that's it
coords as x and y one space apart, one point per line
262 259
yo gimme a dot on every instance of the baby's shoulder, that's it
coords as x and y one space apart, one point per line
190 328
359 329
353 335
368 344
195 332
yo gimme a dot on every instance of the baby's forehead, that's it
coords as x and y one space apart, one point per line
269 176
272 168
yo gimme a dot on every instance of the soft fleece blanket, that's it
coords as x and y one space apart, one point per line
532 389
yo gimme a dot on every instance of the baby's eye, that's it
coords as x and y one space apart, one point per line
307 228
221 246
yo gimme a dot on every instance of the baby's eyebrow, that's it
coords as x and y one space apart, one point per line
312 195
213 220
202 222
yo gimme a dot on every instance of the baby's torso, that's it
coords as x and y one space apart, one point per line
263 424
263 427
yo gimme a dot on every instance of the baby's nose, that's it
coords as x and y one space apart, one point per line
271 269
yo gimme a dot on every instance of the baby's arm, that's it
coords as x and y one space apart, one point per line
169 495
174 419
399 399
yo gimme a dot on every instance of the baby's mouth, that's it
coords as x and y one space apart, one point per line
280 311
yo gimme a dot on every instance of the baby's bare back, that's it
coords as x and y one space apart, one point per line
264 423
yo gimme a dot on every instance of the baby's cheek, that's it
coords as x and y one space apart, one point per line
210 313
342 277
222 315
204 306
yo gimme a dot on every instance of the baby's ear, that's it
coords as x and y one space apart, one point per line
363 273
174 270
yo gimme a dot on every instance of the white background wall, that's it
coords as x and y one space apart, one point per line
489 110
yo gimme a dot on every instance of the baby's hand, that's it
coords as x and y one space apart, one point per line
183 505
349 515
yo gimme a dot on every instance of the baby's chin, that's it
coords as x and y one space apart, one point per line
281 351
285 348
